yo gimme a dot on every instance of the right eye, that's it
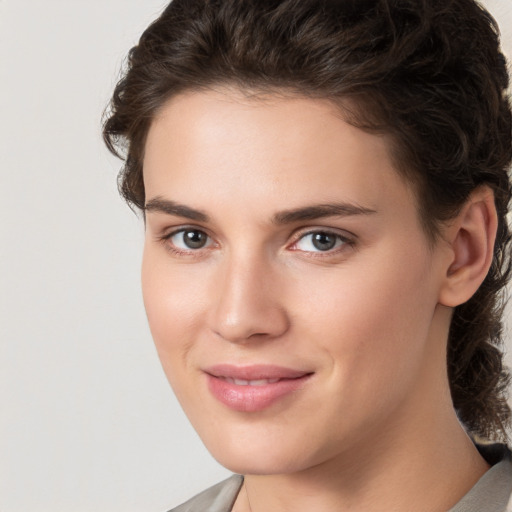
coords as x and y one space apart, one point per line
189 239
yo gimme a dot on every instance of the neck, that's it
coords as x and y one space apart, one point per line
371 478
421 459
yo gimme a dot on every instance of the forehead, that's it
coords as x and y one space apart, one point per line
226 146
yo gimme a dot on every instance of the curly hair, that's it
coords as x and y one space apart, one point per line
429 73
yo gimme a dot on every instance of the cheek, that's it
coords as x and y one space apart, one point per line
173 304
372 319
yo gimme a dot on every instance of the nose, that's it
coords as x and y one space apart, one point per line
248 304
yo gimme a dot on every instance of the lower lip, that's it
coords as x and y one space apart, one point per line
253 398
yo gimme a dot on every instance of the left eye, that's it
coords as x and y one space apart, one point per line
322 241
187 239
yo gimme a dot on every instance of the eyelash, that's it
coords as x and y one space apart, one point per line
166 240
343 242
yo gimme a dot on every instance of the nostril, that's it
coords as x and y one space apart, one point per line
247 305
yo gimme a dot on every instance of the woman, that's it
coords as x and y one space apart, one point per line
324 187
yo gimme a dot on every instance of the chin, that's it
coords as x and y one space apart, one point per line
260 455
264 464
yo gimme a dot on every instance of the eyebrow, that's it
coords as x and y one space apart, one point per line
319 211
161 205
306 213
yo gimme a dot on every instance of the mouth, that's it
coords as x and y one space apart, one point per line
242 382
253 388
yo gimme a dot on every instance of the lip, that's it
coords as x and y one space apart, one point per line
256 396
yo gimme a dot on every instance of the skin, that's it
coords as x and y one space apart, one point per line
374 427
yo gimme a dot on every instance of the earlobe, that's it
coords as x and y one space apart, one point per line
471 237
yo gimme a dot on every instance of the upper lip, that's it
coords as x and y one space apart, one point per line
254 372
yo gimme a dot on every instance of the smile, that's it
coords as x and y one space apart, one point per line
253 388
258 382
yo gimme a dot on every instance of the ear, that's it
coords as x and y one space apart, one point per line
471 237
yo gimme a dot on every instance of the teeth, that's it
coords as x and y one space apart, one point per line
242 382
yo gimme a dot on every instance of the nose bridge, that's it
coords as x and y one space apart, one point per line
247 300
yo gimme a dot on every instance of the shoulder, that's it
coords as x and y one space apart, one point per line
219 498
493 491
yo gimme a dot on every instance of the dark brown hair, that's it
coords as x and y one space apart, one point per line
429 73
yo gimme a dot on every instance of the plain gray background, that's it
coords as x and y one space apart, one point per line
87 420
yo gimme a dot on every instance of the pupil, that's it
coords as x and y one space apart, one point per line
324 241
194 239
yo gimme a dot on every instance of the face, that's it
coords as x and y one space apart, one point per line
290 289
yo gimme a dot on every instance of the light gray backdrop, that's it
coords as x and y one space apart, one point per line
87 420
